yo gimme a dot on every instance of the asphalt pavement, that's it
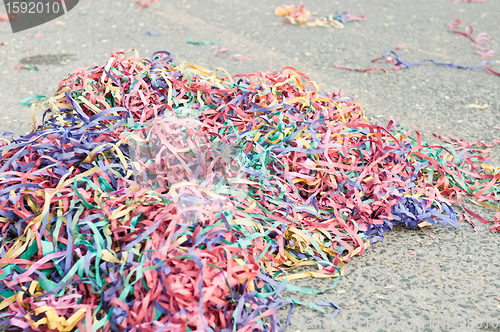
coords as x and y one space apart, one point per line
430 279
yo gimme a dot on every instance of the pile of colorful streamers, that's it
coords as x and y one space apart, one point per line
298 15
157 197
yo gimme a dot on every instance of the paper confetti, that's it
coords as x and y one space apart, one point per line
202 42
481 38
298 15
33 99
222 50
481 107
27 67
239 57
156 196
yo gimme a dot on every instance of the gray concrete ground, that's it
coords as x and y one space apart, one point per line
438 282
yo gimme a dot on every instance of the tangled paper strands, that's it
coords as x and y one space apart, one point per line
398 62
480 39
298 15
156 197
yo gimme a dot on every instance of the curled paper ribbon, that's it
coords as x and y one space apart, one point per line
481 38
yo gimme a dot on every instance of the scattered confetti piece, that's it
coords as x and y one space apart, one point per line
462 144
360 70
481 107
40 35
389 287
466 217
433 236
413 253
4 18
153 33
144 3
239 57
424 224
202 42
399 47
329 304
222 50
33 99
475 215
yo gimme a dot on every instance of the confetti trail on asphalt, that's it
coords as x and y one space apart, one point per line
298 15
399 63
160 197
